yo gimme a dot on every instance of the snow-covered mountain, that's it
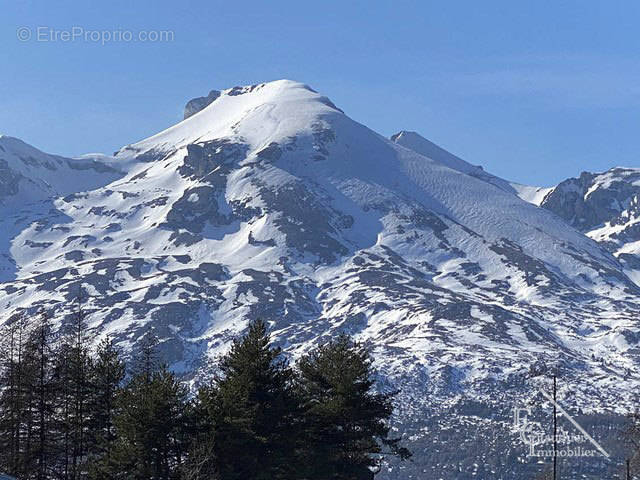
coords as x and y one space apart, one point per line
268 201
30 180
604 206
28 175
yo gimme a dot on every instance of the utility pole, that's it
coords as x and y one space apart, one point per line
555 431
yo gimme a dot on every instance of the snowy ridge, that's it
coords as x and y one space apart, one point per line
531 194
421 145
27 174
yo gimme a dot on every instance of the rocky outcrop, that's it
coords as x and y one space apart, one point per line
591 200
194 105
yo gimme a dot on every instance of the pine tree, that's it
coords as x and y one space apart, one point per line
107 376
39 410
253 410
72 390
200 462
152 412
81 365
12 396
64 410
346 422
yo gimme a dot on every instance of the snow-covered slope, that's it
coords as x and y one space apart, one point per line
29 182
270 202
421 145
27 174
418 143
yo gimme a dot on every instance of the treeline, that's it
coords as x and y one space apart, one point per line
70 412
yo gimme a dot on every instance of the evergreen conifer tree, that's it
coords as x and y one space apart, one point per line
13 396
40 400
72 391
107 376
346 422
253 411
150 421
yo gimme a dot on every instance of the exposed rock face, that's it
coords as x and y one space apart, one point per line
194 105
605 207
591 200
8 180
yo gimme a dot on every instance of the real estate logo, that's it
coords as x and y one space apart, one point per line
565 443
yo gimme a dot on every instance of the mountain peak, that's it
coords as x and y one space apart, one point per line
418 143
406 135
198 104
21 149
260 114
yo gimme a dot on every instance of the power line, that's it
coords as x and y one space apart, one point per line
555 431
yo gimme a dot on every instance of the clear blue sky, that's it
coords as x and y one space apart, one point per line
533 91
